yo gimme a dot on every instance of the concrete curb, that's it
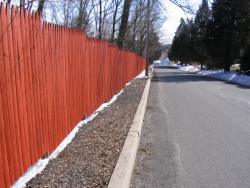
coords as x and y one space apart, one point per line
124 168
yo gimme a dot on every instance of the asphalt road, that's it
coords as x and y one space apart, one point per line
196 134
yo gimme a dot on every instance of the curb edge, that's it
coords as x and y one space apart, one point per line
123 170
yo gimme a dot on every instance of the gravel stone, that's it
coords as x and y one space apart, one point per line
89 160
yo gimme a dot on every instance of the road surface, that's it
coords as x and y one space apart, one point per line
196 134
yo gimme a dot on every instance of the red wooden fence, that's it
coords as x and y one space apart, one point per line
50 78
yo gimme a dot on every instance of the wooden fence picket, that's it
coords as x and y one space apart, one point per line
51 77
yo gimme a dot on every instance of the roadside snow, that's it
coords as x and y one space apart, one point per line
218 74
227 76
142 75
189 68
42 163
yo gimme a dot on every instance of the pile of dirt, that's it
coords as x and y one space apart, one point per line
89 160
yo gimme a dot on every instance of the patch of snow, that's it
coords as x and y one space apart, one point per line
219 74
141 75
175 65
189 68
127 84
42 163
31 173
227 76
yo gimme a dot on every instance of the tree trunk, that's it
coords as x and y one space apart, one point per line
227 63
134 33
40 6
80 16
228 57
124 23
147 56
113 27
22 3
100 20
226 68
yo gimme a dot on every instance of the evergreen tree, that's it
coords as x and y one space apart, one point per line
228 31
245 59
219 37
181 49
199 33
243 22
175 51
222 26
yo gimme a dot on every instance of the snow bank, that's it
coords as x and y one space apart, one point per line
175 65
42 163
142 75
227 76
218 74
189 68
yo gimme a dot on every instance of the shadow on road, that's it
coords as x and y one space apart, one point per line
177 76
165 67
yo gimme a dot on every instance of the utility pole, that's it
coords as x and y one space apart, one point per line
147 39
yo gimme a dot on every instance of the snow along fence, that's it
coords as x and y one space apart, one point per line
51 77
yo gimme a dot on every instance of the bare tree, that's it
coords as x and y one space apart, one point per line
120 21
27 4
82 19
116 6
66 12
40 6
124 22
184 5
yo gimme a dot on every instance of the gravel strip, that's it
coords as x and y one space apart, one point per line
89 160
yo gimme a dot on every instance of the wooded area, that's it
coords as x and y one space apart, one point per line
122 22
218 36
